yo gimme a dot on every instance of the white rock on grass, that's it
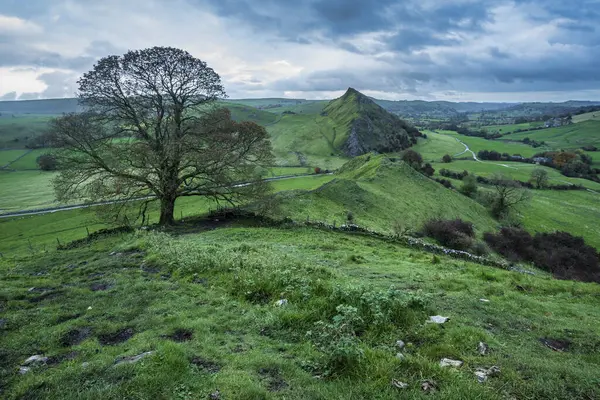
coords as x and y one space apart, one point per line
400 385
483 348
400 344
133 359
448 362
484 300
35 360
24 370
400 356
483 374
281 303
438 319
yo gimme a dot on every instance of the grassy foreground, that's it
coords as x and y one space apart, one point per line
203 305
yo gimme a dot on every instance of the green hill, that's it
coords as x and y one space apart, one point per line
379 191
364 126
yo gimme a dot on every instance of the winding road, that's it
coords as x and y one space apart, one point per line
23 213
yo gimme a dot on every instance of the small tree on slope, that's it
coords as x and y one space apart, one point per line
151 131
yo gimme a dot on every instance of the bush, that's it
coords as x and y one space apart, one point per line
469 186
456 234
562 254
412 158
47 162
447 158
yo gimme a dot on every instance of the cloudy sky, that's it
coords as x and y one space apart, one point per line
460 50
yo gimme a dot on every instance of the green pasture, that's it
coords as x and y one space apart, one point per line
572 136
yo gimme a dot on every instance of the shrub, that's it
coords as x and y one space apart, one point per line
469 186
337 339
47 162
428 170
456 234
447 158
317 170
412 158
564 255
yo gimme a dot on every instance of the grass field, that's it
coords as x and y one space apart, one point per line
518 171
576 212
23 190
509 128
29 162
203 305
565 137
436 146
7 156
595 116
17 233
477 144
15 131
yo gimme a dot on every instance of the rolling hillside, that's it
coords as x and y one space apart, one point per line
572 136
379 191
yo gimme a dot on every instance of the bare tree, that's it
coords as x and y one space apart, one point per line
506 196
151 132
539 177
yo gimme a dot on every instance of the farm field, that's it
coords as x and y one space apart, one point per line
43 230
7 156
594 115
509 128
477 144
572 136
436 146
518 171
22 190
15 131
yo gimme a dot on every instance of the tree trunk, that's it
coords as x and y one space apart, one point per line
167 209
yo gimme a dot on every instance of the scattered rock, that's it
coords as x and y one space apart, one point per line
76 336
35 360
216 395
24 370
99 287
400 385
131 359
180 335
556 344
400 344
85 364
448 362
429 386
438 319
115 337
209 366
400 356
282 302
482 374
483 348
484 300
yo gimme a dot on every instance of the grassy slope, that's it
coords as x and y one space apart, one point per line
25 189
252 351
21 127
565 137
511 127
477 144
379 192
595 115
436 146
